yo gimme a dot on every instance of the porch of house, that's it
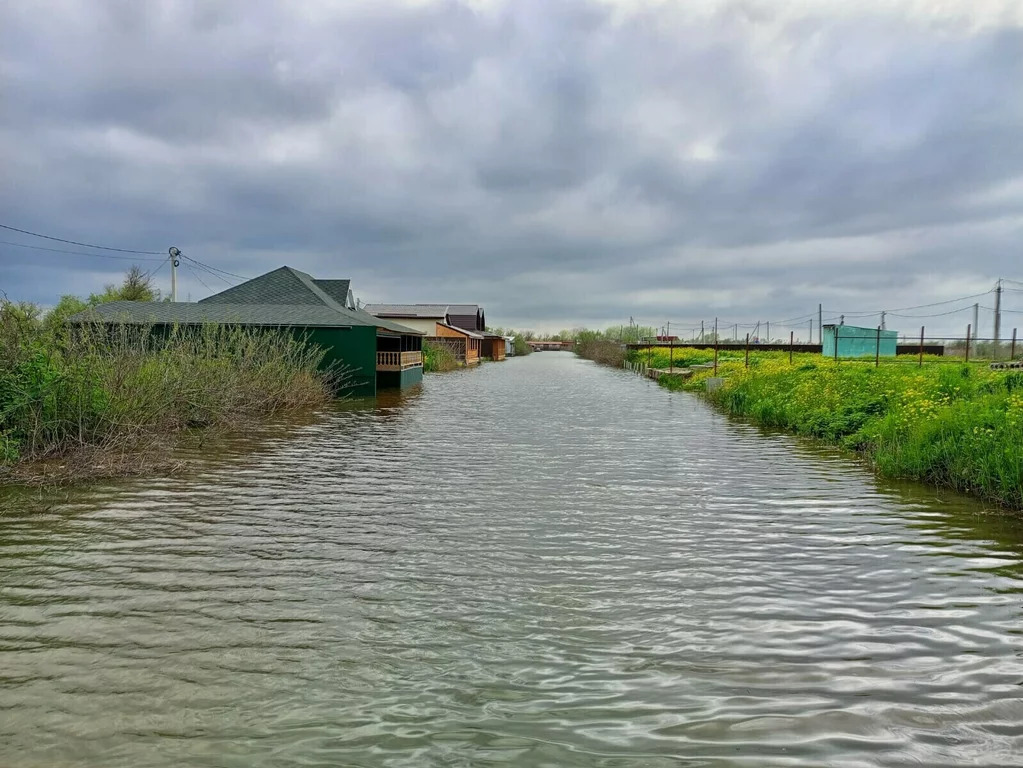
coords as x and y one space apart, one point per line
399 360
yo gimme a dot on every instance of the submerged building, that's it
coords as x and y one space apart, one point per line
374 353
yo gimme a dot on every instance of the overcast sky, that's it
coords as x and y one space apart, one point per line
560 162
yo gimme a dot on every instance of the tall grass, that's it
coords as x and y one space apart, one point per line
950 424
596 346
122 387
437 358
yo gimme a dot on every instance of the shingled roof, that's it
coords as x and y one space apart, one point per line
283 297
166 313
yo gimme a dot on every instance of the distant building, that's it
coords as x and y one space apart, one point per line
468 316
422 317
459 327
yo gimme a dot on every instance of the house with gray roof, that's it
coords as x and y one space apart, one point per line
460 327
374 352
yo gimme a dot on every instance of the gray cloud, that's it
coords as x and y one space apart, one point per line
561 162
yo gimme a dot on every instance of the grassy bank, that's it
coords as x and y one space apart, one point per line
949 424
103 401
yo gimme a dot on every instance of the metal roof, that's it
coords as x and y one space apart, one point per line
425 311
163 313
467 332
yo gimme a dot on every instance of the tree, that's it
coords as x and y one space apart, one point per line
67 306
137 286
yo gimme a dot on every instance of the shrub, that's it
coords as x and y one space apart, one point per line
119 387
437 357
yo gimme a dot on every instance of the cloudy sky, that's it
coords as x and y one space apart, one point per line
561 162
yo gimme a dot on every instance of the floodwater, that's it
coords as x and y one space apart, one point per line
538 563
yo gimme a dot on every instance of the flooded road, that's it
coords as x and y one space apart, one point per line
539 563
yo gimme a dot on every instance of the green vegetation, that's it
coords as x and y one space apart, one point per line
520 339
596 346
101 399
948 423
437 358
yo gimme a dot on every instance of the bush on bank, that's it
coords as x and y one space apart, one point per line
438 358
125 388
596 346
949 424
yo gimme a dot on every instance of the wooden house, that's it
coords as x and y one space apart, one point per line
493 346
466 345
375 353
459 327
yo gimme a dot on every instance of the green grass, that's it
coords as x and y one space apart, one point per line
948 423
122 389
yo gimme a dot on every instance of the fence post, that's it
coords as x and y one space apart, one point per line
877 348
921 363
969 328
747 350
1012 351
671 355
792 337
836 341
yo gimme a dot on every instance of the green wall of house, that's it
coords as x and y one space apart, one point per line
399 379
354 350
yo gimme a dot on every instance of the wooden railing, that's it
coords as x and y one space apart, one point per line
398 361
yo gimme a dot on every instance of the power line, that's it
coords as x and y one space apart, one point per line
152 273
84 253
918 306
196 274
208 271
215 269
76 242
936 314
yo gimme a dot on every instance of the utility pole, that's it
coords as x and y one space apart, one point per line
820 325
701 331
882 320
735 332
174 264
809 339
998 318
768 331
841 319
715 331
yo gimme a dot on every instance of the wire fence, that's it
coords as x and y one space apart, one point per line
848 345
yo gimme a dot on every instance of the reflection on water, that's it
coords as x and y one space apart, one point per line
538 563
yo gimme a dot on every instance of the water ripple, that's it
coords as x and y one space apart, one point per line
539 563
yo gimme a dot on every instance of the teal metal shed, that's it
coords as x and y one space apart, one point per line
854 341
